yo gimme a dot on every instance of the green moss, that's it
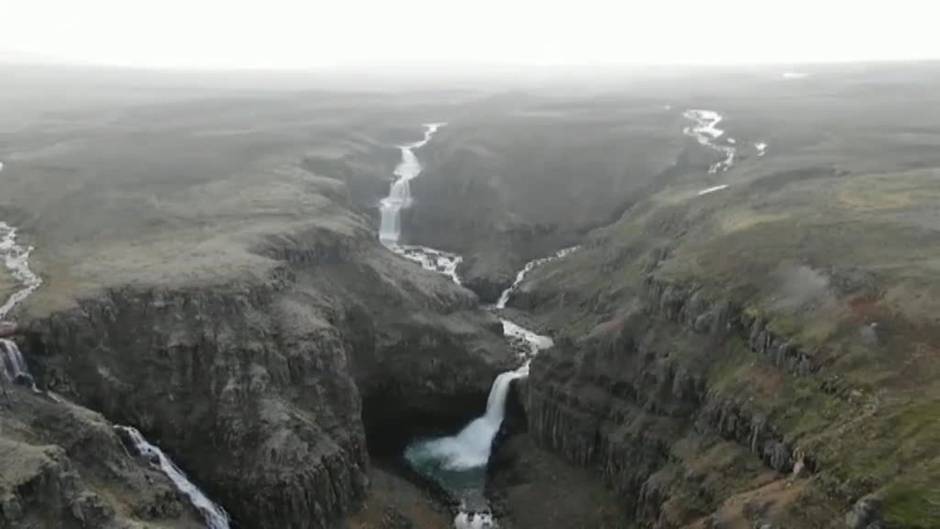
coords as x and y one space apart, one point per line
912 506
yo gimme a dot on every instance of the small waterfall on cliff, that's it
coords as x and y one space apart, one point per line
14 365
214 515
14 368
16 260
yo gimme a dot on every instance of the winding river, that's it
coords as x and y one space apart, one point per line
458 462
704 129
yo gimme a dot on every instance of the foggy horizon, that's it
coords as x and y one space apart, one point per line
422 35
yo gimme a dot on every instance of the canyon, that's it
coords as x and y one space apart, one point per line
655 304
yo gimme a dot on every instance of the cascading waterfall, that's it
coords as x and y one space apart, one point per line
398 199
470 448
399 195
214 516
458 462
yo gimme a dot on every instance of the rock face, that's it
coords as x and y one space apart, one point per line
701 410
635 402
256 387
63 466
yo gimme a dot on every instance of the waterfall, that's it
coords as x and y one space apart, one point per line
14 365
399 195
470 448
214 515
458 462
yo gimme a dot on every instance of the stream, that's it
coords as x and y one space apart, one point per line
458 462
704 129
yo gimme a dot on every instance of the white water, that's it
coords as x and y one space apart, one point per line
14 365
531 265
16 261
399 195
458 462
761 148
470 448
214 515
705 130
526 342
430 259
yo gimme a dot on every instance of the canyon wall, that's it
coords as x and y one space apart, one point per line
256 384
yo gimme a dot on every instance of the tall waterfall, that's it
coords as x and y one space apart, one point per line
214 515
399 196
470 448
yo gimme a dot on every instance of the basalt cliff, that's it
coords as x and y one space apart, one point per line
725 364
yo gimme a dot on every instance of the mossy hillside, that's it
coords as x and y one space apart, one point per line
842 271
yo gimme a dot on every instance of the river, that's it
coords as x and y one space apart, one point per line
458 462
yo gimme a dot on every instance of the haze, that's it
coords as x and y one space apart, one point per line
299 34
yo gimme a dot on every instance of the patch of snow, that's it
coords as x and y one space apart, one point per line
712 189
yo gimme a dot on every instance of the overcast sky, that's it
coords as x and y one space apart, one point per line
314 33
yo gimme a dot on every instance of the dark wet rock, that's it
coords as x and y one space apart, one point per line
865 514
